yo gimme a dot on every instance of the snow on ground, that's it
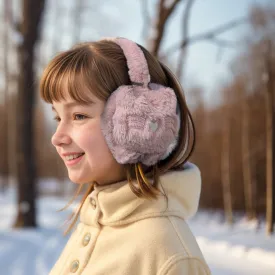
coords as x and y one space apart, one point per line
242 249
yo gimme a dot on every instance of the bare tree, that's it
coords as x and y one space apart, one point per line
270 138
226 152
225 165
164 10
7 20
240 135
246 161
185 35
32 13
211 35
263 25
163 14
11 79
77 13
146 18
58 31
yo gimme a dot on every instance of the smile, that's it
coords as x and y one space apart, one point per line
73 159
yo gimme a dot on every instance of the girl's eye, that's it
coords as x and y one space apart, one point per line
79 117
57 118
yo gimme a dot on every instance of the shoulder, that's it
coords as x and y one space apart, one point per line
180 264
168 236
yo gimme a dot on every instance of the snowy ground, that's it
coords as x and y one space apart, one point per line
243 249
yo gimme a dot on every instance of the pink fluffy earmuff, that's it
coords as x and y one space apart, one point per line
140 121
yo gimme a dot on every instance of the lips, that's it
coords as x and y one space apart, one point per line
72 158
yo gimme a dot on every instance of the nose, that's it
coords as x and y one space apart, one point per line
60 137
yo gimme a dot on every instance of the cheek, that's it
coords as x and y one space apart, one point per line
58 149
93 143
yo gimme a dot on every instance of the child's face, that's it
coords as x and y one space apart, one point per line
80 143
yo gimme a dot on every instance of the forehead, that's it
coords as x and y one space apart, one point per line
94 104
70 103
72 91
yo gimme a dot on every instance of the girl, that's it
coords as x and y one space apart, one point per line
125 131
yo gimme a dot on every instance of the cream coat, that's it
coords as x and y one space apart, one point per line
121 234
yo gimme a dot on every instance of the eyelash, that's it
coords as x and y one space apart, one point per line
57 118
83 116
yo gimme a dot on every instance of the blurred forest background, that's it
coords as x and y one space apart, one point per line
235 138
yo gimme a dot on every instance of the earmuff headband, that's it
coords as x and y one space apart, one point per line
140 121
136 62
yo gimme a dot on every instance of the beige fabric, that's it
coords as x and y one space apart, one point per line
121 234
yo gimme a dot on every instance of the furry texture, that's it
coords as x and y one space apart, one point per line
140 121
141 124
136 62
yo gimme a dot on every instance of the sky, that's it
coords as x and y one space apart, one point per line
206 65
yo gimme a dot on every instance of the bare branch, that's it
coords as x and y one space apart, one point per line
167 10
186 16
147 19
163 14
209 35
222 42
77 12
59 27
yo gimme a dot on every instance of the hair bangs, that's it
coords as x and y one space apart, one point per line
69 76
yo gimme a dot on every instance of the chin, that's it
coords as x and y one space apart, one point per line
78 180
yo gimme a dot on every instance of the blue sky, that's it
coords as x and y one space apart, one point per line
124 18
204 64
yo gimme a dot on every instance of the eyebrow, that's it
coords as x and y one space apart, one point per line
73 104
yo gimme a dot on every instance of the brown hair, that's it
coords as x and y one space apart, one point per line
101 67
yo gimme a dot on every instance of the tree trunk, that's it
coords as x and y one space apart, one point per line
6 156
32 13
163 15
77 13
248 186
58 32
270 139
225 165
185 35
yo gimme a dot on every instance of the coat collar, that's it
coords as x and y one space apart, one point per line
116 204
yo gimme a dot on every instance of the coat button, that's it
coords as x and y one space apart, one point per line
93 203
74 266
86 239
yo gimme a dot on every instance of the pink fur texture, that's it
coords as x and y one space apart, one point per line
136 62
140 124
